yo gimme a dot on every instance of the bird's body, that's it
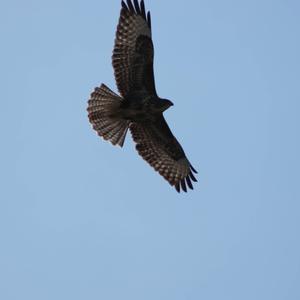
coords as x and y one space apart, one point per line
139 108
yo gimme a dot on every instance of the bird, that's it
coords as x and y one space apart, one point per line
138 108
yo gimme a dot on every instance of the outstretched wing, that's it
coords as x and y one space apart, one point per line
157 145
133 52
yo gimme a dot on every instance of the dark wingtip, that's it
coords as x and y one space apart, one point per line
177 187
143 10
124 5
149 19
192 176
189 183
130 6
137 7
183 185
193 169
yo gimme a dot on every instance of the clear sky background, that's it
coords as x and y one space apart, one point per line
81 219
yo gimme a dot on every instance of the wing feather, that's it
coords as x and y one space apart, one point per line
149 19
133 52
157 145
143 11
137 7
130 6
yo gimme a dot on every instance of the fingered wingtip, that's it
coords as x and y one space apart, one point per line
183 185
193 169
137 8
192 176
149 19
177 187
123 4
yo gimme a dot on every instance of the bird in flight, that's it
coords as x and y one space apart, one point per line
139 108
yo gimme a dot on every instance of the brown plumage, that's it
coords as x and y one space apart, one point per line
139 109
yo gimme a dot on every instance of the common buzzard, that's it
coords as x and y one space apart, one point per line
139 108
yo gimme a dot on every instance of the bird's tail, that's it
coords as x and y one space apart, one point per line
103 108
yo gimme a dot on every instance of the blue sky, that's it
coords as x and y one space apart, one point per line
81 219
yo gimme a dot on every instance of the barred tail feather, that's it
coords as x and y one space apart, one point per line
103 107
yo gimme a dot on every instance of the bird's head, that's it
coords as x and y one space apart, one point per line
166 104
